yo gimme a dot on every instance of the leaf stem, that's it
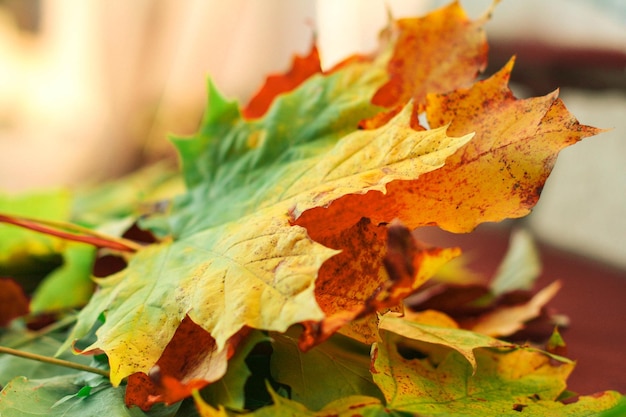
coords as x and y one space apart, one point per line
88 236
54 361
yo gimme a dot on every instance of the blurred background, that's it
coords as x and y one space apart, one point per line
90 90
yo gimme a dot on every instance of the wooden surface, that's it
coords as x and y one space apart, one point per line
593 296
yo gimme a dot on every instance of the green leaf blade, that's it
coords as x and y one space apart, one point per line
234 163
463 341
440 382
57 397
70 285
238 269
329 372
520 267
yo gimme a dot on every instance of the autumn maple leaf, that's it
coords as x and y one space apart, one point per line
285 218
236 261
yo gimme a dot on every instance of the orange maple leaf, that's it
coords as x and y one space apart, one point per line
302 68
436 53
499 174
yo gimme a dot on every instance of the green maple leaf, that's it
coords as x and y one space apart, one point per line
229 391
463 341
239 166
344 407
45 345
335 369
236 260
69 285
505 381
124 199
373 407
64 396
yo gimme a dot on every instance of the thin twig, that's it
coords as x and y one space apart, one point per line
54 361
55 229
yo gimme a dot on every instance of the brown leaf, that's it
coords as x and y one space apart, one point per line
518 315
507 320
454 299
13 301
378 267
342 294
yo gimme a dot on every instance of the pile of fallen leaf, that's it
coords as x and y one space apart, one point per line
272 282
